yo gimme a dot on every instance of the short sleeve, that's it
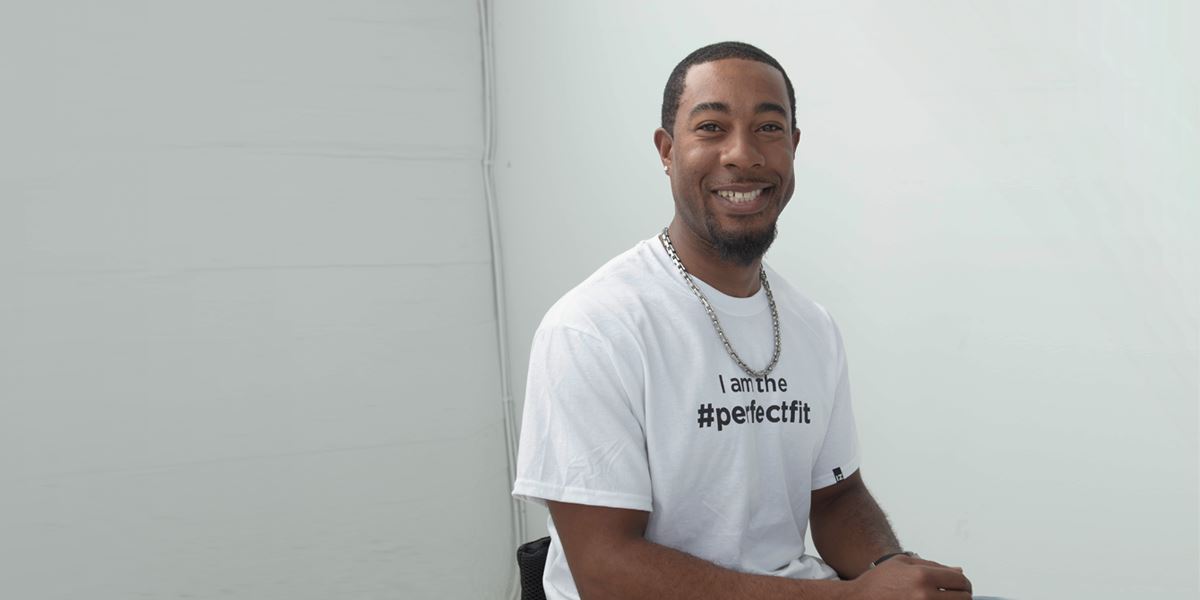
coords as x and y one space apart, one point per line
838 457
582 432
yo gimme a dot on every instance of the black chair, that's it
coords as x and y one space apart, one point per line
531 560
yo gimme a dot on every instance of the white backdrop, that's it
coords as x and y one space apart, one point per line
998 202
248 333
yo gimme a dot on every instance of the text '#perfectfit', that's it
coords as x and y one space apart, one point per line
784 412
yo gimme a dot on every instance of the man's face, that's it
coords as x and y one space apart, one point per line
731 155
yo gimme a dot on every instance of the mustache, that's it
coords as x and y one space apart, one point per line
741 181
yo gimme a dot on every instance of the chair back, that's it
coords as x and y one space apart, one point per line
531 560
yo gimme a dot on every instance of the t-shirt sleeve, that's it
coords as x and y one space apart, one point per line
838 457
582 434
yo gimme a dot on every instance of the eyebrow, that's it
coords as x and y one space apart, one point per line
724 108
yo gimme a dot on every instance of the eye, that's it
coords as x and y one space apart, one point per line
709 127
774 126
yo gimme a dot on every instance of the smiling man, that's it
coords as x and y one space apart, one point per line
688 412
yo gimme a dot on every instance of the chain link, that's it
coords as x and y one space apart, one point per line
665 238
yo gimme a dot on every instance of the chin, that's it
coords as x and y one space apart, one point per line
742 246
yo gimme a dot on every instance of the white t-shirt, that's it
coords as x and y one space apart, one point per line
633 402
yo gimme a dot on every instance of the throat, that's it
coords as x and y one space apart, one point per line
736 276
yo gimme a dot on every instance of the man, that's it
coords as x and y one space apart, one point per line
688 412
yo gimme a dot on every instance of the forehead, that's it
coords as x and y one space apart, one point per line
736 82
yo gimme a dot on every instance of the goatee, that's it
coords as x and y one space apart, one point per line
741 248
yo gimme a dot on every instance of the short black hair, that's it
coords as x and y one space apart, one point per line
713 52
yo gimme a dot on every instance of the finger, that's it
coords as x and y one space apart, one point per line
949 580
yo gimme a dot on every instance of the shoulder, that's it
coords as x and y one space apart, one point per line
612 301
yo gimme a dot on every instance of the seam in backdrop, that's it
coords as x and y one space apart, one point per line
489 192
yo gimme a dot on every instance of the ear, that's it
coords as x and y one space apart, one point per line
663 142
795 140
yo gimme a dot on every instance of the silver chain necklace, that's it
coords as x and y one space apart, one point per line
665 238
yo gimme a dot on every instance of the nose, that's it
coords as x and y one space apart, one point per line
742 151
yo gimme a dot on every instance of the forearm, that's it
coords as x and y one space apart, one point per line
851 531
640 569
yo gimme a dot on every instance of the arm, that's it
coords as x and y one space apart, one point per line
610 559
848 527
850 530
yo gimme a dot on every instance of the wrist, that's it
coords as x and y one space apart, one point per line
889 555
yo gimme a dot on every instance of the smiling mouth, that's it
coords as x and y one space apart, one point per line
747 202
741 198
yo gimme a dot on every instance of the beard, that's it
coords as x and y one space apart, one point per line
742 248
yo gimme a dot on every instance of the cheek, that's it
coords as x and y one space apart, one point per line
696 162
790 187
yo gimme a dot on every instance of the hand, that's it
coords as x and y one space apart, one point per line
908 578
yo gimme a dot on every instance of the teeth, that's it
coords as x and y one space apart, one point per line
739 197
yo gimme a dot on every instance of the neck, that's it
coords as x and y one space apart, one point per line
703 261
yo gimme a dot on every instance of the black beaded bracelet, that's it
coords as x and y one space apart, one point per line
887 556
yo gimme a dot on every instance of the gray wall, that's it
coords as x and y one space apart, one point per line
247 335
